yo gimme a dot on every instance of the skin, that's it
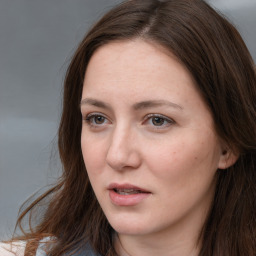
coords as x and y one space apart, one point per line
174 157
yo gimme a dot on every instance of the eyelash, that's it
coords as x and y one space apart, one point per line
168 121
90 120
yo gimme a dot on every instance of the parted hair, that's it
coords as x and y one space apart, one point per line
210 47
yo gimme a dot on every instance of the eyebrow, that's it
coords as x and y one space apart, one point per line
156 103
136 106
94 102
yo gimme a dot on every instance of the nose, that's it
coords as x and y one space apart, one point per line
123 152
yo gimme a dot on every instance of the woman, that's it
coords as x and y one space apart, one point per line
157 139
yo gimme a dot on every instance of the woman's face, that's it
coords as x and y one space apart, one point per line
148 141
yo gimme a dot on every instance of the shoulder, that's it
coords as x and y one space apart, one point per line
12 249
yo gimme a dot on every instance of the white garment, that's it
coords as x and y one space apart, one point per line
17 249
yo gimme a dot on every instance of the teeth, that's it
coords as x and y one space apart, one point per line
128 191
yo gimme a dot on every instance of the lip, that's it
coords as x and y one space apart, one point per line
127 200
126 186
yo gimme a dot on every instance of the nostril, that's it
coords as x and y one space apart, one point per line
120 160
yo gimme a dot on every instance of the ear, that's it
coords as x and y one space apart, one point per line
228 158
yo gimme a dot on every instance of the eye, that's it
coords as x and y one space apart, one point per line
96 119
158 121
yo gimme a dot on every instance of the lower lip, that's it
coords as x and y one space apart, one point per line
127 200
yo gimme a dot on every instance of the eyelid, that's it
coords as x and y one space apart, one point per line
87 118
95 114
168 119
159 115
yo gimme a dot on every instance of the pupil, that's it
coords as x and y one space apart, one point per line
158 121
99 119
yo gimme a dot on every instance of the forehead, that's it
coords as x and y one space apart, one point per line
137 62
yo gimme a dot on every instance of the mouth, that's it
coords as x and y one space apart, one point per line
128 191
127 194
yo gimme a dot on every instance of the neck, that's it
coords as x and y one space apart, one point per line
144 246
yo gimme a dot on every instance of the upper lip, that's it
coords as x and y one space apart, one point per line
126 186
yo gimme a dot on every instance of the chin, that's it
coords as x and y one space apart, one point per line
129 226
130 230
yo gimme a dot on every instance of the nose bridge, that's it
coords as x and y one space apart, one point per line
122 150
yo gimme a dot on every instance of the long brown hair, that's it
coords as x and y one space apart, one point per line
215 54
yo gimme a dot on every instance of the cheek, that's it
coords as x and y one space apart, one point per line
93 159
93 153
184 155
185 171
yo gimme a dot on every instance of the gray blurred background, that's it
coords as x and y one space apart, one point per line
37 39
